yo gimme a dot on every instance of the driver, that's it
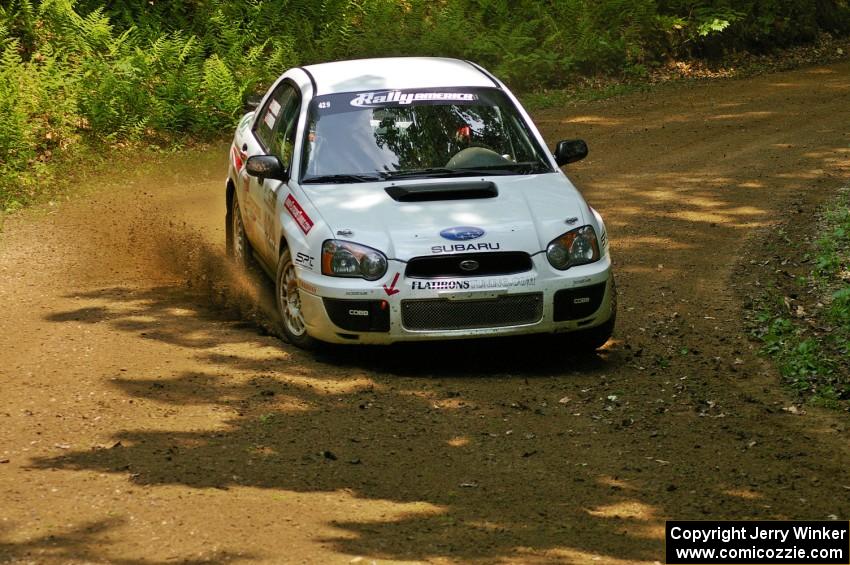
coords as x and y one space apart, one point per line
463 135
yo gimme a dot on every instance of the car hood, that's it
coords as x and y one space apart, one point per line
528 213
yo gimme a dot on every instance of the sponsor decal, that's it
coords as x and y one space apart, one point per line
358 313
465 247
308 287
357 293
392 289
298 214
462 233
383 98
239 158
479 284
440 285
304 260
274 107
581 300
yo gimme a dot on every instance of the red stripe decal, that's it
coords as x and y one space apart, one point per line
239 158
237 162
298 214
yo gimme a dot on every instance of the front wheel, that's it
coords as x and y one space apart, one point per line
239 247
289 304
591 339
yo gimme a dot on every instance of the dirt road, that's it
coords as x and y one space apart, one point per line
147 417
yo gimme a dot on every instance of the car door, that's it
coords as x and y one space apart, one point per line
275 131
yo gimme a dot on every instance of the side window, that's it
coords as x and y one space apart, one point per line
276 128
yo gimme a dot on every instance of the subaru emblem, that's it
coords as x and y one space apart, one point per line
469 265
461 233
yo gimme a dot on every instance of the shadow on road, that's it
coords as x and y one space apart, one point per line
80 544
505 444
517 448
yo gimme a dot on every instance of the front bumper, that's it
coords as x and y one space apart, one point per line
397 308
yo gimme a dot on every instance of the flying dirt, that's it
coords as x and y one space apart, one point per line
152 415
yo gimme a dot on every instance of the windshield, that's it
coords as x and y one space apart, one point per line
369 136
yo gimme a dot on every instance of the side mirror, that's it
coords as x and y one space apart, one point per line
266 167
252 102
570 151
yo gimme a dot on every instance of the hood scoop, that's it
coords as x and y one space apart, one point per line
468 190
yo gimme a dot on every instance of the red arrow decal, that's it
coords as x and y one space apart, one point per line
392 289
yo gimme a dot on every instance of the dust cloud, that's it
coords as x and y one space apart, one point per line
143 247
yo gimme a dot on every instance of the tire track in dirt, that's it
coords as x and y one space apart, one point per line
149 417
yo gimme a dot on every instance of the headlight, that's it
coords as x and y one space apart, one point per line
576 247
346 259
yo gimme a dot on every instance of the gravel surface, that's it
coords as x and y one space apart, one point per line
149 416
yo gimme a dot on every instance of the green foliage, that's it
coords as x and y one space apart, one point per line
802 361
708 26
834 252
37 105
139 70
815 362
219 94
840 309
15 136
833 248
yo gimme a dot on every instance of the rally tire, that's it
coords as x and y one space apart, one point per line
240 249
591 339
288 300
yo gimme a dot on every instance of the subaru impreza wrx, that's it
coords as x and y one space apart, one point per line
410 199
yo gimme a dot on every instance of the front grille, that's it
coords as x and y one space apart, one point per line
445 314
498 263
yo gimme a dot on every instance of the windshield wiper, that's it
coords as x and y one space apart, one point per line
521 168
431 172
426 173
445 172
531 167
344 178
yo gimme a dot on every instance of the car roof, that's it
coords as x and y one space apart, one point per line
395 73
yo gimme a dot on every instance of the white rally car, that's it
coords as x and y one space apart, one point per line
413 199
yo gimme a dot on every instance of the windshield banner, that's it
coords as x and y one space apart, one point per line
371 99
352 101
